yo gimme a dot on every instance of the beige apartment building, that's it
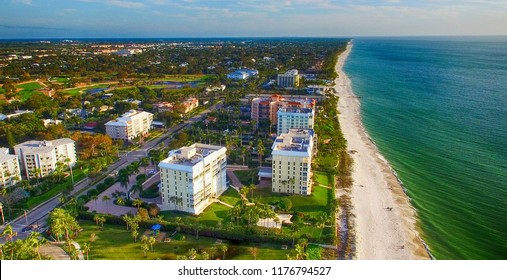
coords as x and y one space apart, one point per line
191 177
292 155
130 125
39 158
10 173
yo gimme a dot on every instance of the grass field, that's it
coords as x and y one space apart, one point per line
76 91
211 216
2 90
116 243
59 79
230 196
27 90
312 205
186 78
321 178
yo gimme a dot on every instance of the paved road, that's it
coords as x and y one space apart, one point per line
38 215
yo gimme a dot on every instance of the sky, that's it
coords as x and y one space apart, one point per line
21 19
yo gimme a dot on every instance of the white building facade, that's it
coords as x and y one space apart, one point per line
191 177
40 158
10 173
289 118
130 125
292 161
289 79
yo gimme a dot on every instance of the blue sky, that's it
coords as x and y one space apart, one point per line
244 18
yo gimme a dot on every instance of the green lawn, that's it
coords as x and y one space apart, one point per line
321 178
230 196
210 217
186 78
30 86
2 90
79 90
116 243
313 205
59 79
28 89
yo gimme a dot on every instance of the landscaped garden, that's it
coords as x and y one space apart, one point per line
114 242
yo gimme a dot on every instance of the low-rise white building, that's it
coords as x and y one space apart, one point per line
292 155
191 177
289 118
130 125
10 173
39 158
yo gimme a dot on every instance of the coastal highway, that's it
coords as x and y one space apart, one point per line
38 215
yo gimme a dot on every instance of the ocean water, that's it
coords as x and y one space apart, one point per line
437 109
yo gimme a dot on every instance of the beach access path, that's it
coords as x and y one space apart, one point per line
385 222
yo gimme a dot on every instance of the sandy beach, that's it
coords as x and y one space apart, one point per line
385 221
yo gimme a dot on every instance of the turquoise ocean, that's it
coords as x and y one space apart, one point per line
437 110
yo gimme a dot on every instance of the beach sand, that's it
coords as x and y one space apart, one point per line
385 222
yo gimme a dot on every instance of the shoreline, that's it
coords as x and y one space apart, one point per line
385 220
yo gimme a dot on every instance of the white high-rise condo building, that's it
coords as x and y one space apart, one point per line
289 118
289 79
130 125
191 177
10 173
292 154
39 158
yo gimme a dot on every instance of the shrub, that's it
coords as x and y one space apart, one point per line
101 187
141 177
92 192
285 204
153 209
109 181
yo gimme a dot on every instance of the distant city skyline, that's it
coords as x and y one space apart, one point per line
21 19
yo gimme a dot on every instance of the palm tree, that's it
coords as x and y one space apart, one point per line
152 241
96 218
2 210
67 160
224 249
254 252
137 202
197 228
205 255
294 228
212 251
9 232
192 253
260 151
145 162
135 234
321 222
86 249
144 245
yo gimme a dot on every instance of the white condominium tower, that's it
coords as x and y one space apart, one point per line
39 158
289 79
292 154
130 125
10 173
289 118
192 177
